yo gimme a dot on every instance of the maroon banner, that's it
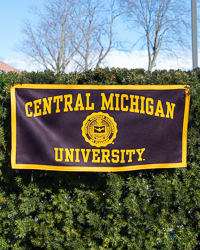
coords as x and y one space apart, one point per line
99 128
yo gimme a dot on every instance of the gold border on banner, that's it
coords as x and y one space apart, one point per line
98 87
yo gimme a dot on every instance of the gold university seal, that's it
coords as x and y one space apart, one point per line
99 129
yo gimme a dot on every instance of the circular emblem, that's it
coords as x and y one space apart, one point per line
99 129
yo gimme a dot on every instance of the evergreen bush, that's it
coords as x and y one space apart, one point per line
145 209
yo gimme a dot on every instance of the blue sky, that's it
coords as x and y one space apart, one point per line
12 15
11 19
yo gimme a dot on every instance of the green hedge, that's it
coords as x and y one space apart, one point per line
148 209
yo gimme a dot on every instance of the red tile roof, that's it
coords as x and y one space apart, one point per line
8 68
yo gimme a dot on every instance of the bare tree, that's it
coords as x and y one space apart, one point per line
78 31
49 43
94 21
163 24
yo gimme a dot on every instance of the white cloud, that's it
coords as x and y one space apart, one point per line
132 60
20 64
182 60
139 59
120 59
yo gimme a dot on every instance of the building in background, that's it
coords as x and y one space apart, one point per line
6 68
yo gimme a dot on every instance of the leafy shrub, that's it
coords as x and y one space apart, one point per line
145 209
